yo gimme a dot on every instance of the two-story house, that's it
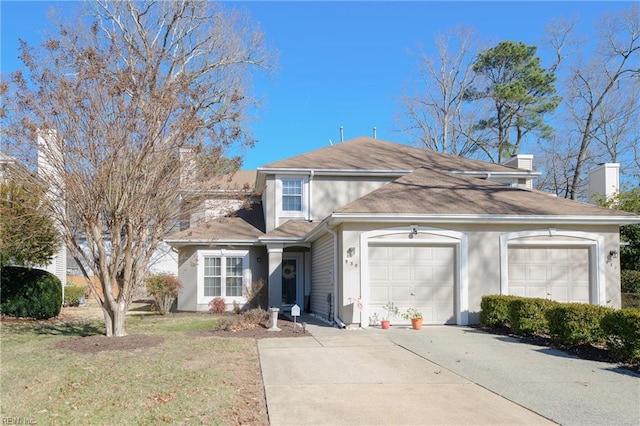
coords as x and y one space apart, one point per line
343 230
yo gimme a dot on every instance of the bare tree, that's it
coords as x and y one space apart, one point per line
434 112
617 124
125 88
614 68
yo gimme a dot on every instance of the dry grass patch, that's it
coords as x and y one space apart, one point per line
176 377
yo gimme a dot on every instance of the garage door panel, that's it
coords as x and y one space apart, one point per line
536 273
400 295
578 257
517 272
580 294
400 255
423 273
516 255
420 276
379 273
536 255
580 273
423 293
419 254
444 256
444 274
379 295
559 293
517 290
558 273
378 254
400 273
536 291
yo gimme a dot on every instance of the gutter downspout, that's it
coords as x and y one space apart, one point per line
309 200
336 318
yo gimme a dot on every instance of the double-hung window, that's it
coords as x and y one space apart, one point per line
233 282
222 273
292 195
212 276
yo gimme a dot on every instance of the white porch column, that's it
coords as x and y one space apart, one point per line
275 275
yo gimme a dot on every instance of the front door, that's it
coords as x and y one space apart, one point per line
291 279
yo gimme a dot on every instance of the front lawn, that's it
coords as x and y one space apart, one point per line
176 377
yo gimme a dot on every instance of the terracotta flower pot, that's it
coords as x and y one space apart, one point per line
384 324
416 323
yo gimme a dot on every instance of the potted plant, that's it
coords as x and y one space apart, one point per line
415 316
392 311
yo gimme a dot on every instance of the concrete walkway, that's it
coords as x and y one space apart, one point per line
438 375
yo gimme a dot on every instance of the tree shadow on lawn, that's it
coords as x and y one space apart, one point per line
70 329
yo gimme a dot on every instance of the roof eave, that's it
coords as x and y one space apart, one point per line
516 173
485 219
332 172
183 242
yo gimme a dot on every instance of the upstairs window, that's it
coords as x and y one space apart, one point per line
292 195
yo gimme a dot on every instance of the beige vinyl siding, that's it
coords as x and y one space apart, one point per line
331 192
322 275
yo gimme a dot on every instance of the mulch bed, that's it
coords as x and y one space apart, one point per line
259 331
100 343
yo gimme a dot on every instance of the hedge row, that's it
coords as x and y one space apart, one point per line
566 323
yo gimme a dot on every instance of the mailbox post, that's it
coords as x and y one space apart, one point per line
295 313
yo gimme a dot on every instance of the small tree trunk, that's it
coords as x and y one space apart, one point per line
118 320
108 321
114 319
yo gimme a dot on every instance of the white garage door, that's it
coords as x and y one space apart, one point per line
420 276
556 273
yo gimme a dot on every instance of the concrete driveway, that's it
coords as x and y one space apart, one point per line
438 375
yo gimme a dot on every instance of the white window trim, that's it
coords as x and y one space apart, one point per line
304 212
595 243
222 253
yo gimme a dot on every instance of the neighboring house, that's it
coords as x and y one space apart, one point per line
345 229
8 164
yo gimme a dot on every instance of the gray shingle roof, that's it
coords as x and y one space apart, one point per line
291 229
365 153
427 191
246 224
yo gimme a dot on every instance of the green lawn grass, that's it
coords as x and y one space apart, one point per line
186 379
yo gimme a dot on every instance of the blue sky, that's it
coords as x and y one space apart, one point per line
341 63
